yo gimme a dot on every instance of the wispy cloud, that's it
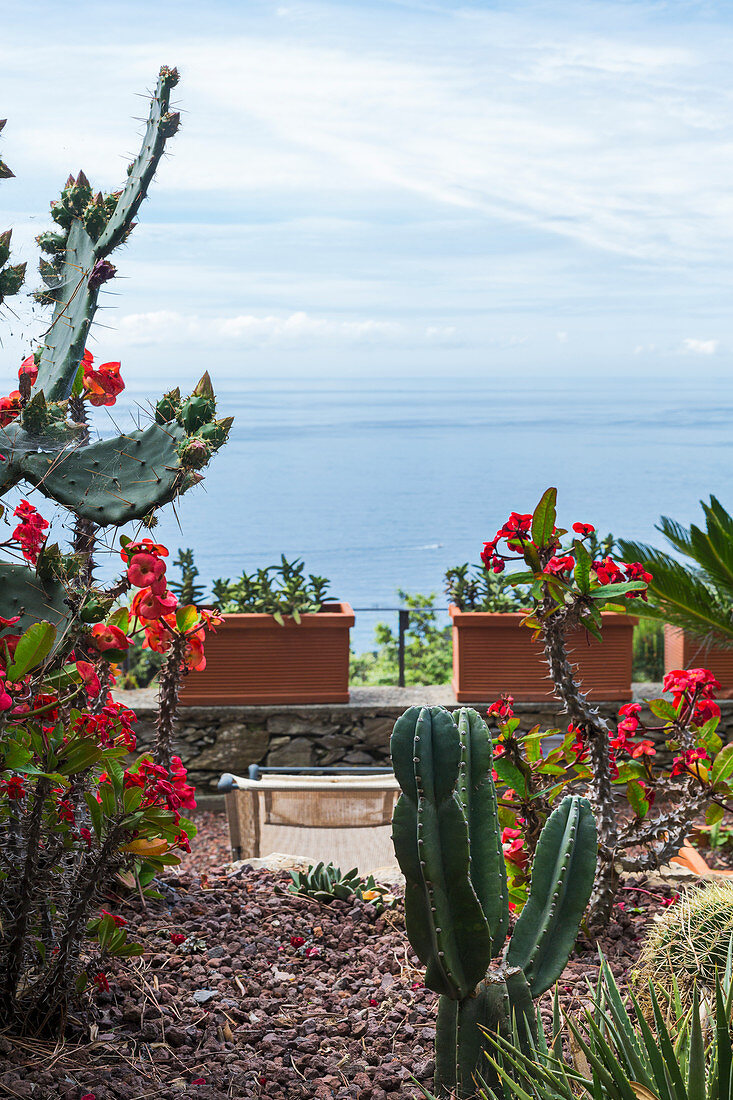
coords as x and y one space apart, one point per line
249 330
410 174
700 347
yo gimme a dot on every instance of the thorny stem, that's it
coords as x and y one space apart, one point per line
16 934
171 676
84 539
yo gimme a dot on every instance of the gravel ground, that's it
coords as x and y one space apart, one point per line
270 996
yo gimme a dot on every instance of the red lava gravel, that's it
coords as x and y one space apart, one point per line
270 996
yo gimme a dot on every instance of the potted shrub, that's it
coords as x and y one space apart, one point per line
281 641
492 654
694 597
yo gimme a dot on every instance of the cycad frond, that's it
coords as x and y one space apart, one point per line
681 596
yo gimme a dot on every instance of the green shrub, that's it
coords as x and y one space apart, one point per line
648 651
428 649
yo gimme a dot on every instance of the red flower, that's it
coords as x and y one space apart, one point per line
29 533
578 748
557 566
502 707
688 760
643 748
6 701
14 788
144 569
89 677
608 572
177 938
100 980
296 941
143 546
101 386
105 636
28 366
583 529
120 922
514 849
10 407
147 605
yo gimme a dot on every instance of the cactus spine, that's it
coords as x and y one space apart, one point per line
447 839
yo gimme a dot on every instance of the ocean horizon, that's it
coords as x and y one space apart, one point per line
384 484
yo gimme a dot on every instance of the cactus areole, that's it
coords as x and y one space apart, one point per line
447 840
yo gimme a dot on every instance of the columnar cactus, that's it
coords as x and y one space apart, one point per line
447 839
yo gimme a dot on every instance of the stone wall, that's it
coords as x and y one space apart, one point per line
212 740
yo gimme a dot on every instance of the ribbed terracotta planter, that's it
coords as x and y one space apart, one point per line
683 651
252 660
493 654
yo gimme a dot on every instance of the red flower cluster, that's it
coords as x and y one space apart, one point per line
13 788
514 850
29 533
111 727
695 687
502 708
608 571
515 531
177 938
557 566
159 786
146 571
690 762
101 386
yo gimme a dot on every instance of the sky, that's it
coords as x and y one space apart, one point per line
376 187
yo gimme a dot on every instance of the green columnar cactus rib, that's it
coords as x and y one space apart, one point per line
445 922
75 299
448 844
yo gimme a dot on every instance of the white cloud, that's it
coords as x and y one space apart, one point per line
249 330
562 337
700 347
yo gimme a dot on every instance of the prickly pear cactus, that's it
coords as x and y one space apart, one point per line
111 481
11 275
448 843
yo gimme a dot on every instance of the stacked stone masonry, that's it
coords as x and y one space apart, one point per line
212 740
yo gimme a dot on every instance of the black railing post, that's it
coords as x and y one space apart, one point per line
404 623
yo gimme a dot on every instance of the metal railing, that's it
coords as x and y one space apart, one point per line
403 627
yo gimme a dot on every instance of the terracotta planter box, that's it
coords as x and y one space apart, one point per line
683 651
493 654
252 660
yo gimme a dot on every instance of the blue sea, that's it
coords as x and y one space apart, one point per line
383 484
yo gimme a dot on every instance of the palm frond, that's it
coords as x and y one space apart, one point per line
682 597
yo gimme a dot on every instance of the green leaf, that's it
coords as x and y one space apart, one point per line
662 709
583 563
186 618
723 765
510 775
78 385
714 813
637 801
33 647
608 591
77 756
543 519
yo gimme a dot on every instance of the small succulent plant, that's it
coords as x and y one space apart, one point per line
279 590
325 882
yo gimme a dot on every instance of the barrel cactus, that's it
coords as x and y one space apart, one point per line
686 947
447 840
